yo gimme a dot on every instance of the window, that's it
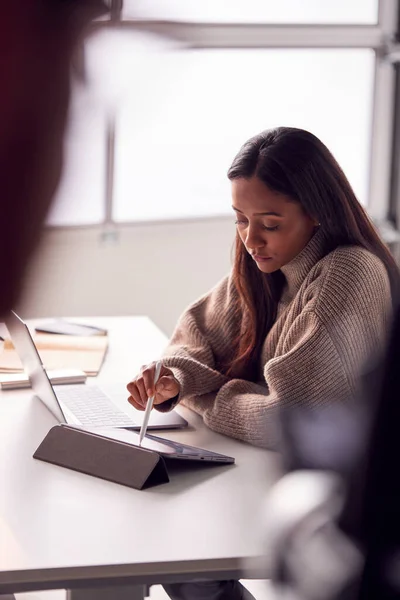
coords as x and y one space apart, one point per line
189 112
154 130
255 11
80 196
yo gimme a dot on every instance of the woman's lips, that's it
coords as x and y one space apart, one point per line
259 258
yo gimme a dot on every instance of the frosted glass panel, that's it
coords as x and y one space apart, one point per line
186 114
80 196
256 11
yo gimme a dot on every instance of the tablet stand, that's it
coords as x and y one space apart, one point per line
90 453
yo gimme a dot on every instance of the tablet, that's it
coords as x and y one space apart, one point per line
164 447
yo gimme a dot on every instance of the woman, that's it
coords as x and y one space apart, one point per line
308 300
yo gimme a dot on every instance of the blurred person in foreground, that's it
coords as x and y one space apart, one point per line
332 521
37 41
308 301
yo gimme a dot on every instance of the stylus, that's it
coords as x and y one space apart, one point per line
149 405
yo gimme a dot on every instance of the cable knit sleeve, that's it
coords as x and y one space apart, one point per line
309 372
200 342
339 316
320 354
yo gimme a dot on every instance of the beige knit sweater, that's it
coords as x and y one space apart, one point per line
334 313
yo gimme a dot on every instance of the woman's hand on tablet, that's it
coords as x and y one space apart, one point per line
142 387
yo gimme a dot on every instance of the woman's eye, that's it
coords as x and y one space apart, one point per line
271 228
238 222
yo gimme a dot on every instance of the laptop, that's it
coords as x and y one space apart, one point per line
78 404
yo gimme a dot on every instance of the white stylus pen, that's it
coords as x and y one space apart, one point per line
149 405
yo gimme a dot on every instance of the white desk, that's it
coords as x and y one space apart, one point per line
60 529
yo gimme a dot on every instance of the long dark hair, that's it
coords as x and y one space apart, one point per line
296 163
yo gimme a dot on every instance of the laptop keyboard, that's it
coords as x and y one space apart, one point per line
90 405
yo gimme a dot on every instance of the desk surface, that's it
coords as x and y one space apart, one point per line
58 526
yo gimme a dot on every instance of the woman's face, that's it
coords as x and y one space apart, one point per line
272 227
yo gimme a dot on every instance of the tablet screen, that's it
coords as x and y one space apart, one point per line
152 442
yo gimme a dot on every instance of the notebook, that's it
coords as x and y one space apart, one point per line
85 353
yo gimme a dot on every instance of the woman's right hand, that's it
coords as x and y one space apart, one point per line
142 387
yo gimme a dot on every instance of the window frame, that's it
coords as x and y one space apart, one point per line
384 185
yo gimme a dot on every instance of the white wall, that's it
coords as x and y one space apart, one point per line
151 269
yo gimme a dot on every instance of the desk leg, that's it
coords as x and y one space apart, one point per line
133 592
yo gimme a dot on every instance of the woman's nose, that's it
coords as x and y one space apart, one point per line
253 241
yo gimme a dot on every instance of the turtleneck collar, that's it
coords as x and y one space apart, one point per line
297 269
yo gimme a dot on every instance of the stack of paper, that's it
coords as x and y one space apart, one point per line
85 353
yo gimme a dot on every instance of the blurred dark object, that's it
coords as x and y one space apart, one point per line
372 512
37 42
336 514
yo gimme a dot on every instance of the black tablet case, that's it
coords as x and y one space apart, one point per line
113 460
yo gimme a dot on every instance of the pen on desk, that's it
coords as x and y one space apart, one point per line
149 405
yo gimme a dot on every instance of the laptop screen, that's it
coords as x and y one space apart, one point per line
29 356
